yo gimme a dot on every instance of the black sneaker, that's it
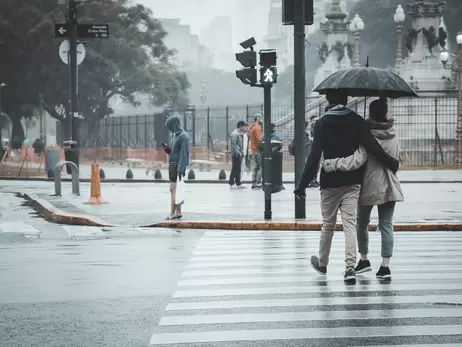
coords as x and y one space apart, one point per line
384 273
350 275
322 270
363 266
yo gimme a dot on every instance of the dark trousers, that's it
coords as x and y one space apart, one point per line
235 175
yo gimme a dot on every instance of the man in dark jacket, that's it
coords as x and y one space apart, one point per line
338 134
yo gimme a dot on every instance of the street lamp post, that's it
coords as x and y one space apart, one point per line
399 19
456 66
203 92
2 85
356 27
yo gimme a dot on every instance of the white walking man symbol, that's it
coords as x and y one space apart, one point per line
268 76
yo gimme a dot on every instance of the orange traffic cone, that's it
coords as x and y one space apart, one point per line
95 187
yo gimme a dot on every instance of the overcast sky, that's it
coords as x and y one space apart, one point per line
198 13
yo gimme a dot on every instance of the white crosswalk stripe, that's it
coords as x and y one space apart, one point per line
25 229
252 288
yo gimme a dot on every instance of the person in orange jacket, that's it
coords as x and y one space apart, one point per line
255 139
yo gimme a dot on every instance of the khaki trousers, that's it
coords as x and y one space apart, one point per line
333 199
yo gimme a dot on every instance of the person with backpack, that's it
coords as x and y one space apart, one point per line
309 134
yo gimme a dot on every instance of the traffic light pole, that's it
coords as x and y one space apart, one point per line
299 100
267 152
73 66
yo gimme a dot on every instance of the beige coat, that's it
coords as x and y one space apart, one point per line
380 185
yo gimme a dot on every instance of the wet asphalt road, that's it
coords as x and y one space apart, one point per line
88 293
77 286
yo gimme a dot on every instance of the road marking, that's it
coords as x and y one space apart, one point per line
432 268
309 279
273 287
394 287
74 230
297 334
310 316
21 228
297 254
267 262
358 300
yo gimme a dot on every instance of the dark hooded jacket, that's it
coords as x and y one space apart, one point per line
338 134
179 155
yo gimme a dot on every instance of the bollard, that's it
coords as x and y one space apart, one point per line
129 175
102 175
51 173
95 186
191 175
158 175
222 175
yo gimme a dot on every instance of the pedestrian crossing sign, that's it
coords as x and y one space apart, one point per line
268 75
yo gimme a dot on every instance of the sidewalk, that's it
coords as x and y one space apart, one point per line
139 174
145 204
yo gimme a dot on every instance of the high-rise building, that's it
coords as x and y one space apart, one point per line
217 36
189 52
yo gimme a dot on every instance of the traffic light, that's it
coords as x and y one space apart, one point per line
268 70
248 59
288 12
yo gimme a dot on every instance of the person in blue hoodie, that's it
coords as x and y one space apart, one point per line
178 160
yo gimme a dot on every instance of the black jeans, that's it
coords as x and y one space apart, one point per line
235 175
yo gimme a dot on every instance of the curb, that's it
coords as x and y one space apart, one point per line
124 180
55 215
295 226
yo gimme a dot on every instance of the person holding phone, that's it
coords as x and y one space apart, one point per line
178 161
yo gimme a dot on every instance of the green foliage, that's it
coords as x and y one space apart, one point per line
379 39
133 62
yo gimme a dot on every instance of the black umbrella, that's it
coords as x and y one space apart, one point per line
366 81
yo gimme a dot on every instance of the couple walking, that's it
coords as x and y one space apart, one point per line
358 172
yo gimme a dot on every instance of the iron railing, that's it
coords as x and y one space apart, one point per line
426 127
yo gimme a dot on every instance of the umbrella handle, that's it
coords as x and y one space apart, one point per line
365 100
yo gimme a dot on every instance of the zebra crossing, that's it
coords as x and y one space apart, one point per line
245 288
36 229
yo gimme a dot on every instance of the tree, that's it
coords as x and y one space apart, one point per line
134 61
379 39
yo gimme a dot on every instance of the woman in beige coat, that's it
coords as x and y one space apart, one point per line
380 188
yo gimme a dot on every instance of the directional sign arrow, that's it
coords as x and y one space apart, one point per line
61 30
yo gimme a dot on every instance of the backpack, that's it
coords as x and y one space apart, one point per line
291 148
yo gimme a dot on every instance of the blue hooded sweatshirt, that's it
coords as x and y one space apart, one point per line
179 155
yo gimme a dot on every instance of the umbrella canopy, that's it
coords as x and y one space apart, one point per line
366 81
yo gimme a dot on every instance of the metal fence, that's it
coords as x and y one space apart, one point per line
426 128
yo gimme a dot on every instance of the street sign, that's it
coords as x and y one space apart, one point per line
84 31
268 75
93 31
64 49
61 30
